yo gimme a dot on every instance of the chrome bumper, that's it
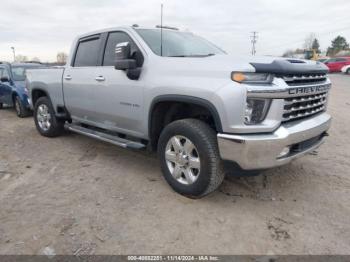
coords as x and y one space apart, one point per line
261 151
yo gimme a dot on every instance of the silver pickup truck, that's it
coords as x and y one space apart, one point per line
172 91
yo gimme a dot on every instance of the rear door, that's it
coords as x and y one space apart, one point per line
80 80
5 87
331 64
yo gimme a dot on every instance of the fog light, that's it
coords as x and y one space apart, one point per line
284 152
256 110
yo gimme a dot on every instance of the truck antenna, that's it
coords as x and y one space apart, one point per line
161 30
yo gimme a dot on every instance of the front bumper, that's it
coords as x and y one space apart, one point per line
261 151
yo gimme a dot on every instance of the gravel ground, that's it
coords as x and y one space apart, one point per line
75 195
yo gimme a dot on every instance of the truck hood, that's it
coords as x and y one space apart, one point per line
228 63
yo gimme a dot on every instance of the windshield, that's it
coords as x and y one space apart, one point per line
178 44
19 72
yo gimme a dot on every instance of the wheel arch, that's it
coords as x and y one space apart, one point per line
180 99
36 93
13 96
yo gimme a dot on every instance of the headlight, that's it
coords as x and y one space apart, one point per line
252 78
256 110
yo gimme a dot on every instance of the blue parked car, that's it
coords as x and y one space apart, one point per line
13 92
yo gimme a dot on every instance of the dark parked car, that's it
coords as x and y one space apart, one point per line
12 86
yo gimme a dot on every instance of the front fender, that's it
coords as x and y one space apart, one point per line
186 99
22 96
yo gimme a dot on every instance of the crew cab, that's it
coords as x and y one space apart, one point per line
176 93
12 86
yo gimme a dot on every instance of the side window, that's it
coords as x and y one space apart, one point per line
3 72
115 38
340 59
87 52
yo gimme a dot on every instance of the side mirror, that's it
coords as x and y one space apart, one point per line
122 57
4 79
122 51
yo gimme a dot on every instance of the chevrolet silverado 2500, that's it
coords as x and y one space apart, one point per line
187 99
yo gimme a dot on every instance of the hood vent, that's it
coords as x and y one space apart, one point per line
286 67
293 61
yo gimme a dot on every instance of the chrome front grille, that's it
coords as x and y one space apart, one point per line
304 106
304 79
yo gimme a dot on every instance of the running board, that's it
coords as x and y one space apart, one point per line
115 140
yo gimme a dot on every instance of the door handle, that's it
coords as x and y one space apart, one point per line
68 77
100 78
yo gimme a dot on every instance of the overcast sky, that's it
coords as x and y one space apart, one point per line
41 28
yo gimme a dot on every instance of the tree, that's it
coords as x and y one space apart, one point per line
61 57
338 44
21 58
309 40
316 45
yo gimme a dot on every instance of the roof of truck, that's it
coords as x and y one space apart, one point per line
133 27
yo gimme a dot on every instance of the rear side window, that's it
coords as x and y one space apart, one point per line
115 38
87 52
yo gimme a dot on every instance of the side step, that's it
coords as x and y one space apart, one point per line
115 140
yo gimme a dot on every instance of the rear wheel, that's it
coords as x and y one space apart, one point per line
21 110
189 157
348 71
1 106
45 119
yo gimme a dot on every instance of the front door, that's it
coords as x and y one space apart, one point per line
121 98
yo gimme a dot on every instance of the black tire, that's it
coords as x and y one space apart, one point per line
21 110
204 138
1 106
56 125
348 71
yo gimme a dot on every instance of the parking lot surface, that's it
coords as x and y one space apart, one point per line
75 195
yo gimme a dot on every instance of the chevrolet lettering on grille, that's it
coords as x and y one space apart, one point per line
309 89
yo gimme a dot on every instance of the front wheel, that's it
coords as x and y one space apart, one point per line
348 71
45 119
1 106
189 158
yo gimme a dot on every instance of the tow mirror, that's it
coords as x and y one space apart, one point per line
122 51
123 59
4 79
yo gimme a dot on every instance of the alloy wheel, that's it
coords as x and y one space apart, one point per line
183 160
44 117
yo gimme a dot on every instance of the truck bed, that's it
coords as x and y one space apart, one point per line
48 79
